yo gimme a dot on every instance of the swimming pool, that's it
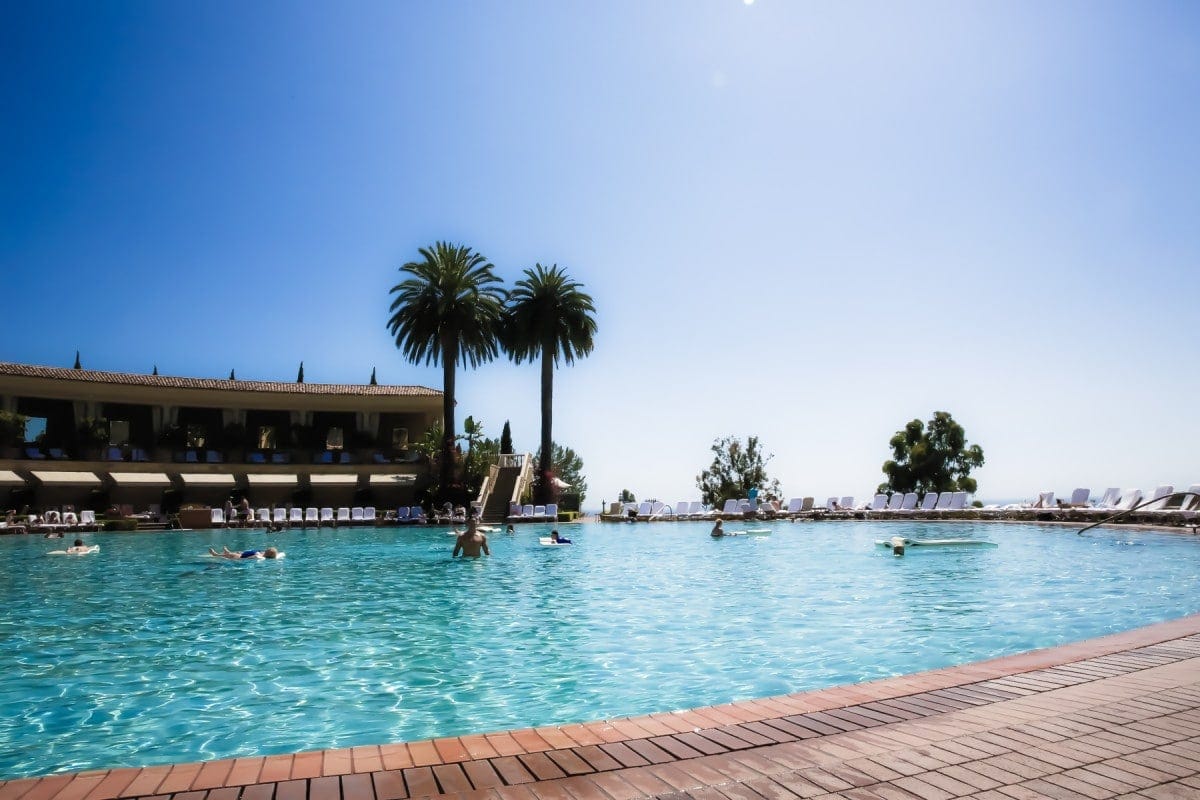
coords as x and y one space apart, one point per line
151 653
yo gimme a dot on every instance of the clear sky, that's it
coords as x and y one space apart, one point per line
808 221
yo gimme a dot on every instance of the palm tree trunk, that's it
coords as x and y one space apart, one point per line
446 467
545 463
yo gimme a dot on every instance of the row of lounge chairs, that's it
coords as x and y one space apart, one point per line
308 517
1164 499
532 513
54 521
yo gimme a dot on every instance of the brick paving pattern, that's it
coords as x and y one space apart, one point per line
1111 717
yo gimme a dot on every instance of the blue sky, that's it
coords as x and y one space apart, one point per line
806 221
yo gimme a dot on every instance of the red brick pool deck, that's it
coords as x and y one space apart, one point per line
1117 716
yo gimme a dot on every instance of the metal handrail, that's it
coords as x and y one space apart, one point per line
1137 507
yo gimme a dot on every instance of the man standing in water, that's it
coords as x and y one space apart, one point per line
470 542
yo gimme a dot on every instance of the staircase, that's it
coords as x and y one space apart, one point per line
496 508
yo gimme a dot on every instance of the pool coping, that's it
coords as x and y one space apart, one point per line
479 765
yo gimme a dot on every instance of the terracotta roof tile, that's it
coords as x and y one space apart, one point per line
168 382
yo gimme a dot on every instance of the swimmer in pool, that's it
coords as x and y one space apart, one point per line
471 542
78 547
556 539
270 552
717 530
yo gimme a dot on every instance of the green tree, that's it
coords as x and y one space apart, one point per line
932 457
736 469
626 496
568 467
506 445
447 311
550 318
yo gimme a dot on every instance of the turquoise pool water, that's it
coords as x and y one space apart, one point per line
150 653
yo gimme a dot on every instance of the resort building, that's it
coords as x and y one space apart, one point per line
96 439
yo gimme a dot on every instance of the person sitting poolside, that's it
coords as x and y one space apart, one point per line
270 552
556 539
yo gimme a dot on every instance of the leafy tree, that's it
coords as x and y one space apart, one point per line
626 496
568 467
447 311
735 470
548 317
506 445
932 457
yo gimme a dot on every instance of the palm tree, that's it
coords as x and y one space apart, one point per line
447 311
548 316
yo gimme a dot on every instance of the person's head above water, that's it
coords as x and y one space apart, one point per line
270 552
79 542
554 536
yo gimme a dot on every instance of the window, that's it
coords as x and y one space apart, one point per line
35 429
333 439
118 432
196 435
266 437
400 438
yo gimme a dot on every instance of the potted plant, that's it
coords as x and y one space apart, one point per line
12 433
93 435
235 441
171 439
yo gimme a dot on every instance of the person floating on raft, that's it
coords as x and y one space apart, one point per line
270 552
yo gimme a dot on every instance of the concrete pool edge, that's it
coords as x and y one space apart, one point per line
505 759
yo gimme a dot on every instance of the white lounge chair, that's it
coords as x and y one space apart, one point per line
296 516
343 515
1192 501
943 502
310 516
527 510
909 503
264 516
1044 500
644 509
929 501
1129 499
87 518
417 514
958 501
326 515
218 517
402 514
879 502
1110 499
1079 498
896 501
846 503
1158 498
730 507
793 506
356 515
369 516
552 512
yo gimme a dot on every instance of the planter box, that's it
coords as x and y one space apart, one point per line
195 518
